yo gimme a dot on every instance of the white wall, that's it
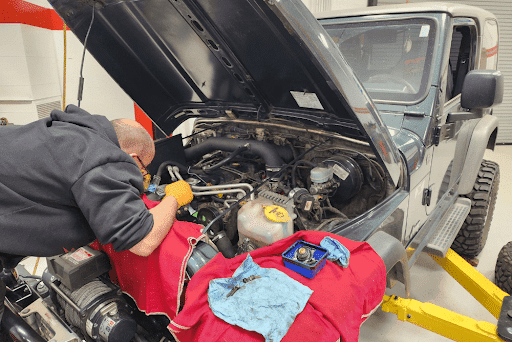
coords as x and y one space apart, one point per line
327 5
31 73
101 94
28 72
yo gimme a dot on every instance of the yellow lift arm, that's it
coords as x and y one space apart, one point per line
448 323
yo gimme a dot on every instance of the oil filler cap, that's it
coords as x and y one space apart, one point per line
276 213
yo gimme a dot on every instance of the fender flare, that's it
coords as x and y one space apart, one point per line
394 256
483 137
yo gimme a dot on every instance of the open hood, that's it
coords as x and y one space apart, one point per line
179 59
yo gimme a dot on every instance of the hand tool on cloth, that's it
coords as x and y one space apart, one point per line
258 299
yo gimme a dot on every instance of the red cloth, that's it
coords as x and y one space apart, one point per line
155 282
341 301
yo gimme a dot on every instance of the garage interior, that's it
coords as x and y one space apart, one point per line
32 70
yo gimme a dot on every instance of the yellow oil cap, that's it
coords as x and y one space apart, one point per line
276 213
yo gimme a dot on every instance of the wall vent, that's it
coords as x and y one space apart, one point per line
44 109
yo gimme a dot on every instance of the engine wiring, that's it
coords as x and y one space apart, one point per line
207 228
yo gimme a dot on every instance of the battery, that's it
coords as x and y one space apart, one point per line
305 258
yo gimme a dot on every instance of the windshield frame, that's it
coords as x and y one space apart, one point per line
430 58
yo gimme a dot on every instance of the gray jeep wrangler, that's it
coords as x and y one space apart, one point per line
370 123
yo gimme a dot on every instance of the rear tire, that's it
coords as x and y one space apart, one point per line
474 231
503 270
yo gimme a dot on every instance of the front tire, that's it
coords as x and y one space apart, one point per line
474 231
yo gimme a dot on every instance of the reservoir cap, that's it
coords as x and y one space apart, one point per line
276 213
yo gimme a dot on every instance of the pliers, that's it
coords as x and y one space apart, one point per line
238 287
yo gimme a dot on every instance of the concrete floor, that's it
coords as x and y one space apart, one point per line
430 283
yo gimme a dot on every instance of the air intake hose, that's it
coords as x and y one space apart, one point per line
268 152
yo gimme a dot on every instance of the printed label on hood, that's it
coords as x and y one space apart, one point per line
307 100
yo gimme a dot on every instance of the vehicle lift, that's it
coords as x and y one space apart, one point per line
451 324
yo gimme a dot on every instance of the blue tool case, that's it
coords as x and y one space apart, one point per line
305 258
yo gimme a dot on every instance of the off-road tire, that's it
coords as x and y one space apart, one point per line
503 270
474 231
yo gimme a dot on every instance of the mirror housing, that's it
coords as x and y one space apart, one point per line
482 89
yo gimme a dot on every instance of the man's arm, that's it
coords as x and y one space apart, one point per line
164 215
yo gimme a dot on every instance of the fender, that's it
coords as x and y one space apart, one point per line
395 258
484 136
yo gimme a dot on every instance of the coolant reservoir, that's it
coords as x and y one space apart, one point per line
263 222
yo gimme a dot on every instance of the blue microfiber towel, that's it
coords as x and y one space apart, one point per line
337 252
267 305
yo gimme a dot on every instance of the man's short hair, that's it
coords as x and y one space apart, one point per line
133 137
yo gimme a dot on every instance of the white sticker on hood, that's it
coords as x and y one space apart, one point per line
306 100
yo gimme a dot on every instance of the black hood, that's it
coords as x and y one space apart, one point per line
253 59
211 55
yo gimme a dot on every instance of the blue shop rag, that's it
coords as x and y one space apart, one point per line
337 252
267 305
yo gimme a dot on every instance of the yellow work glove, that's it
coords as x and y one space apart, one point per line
181 191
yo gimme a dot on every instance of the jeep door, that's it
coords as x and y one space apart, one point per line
450 139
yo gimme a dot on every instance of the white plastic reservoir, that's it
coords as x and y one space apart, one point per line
263 222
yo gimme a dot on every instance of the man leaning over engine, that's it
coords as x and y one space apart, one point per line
74 177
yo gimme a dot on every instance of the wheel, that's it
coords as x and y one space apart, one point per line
503 270
473 234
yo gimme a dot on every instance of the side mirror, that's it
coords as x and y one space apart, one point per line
482 89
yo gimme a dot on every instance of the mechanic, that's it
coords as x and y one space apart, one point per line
74 177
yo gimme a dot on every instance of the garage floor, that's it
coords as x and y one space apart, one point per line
429 281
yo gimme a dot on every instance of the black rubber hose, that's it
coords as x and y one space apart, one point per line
224 245
294 168
226 160
158 176
162 167
263 149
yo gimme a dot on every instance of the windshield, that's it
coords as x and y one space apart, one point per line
391 58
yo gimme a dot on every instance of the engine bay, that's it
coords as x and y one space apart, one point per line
238 168
254 183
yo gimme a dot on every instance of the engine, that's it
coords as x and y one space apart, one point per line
239 169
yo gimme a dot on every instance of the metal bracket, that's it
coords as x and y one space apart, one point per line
505 321
427 195
48 324
437 135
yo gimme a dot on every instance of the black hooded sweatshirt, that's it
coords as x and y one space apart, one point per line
64 181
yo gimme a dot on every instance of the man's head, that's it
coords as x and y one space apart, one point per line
135 140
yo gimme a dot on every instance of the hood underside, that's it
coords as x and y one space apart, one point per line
175 55
252 59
